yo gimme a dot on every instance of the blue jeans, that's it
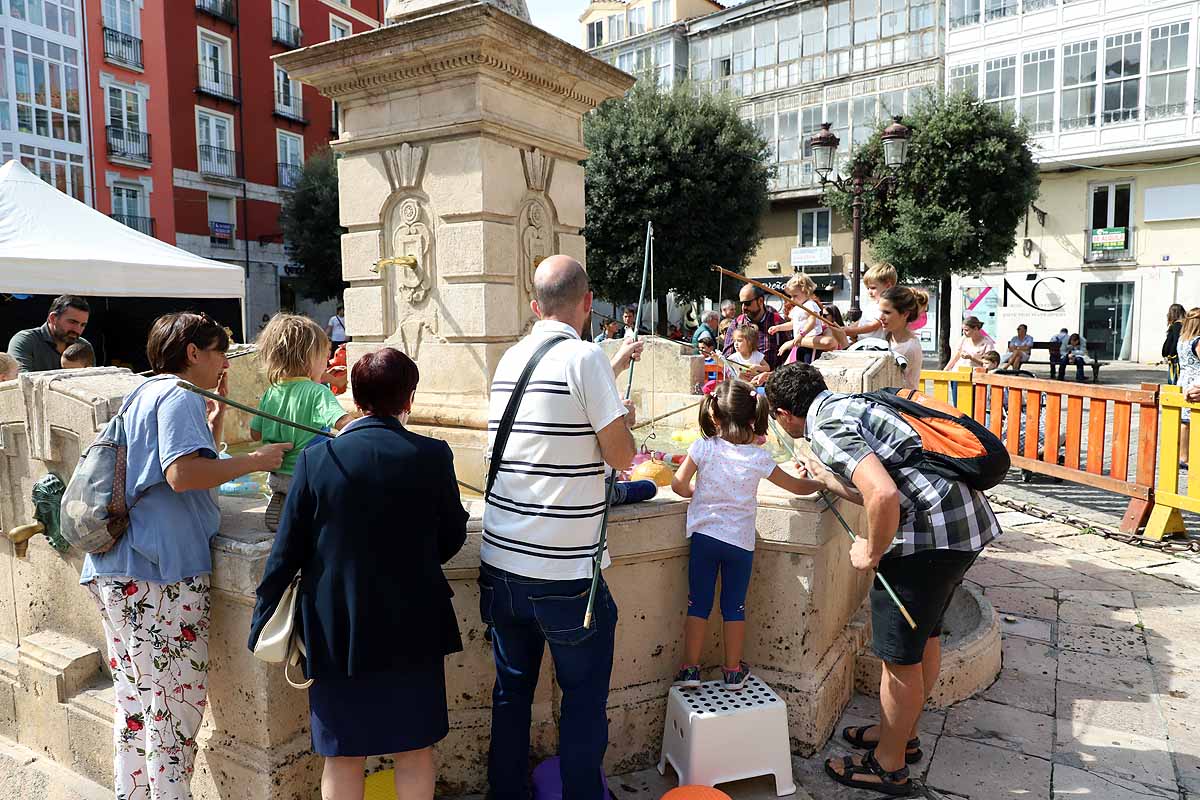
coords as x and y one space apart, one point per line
525 614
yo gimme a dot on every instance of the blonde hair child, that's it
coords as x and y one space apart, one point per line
746 357
294 352
8 367
720 519
808 329
899 306
876 280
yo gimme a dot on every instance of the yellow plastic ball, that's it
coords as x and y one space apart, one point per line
656 471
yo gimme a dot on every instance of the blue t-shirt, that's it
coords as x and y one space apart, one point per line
169 531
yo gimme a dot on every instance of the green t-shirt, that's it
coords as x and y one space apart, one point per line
300 400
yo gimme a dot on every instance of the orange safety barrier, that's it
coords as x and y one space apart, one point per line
1034 433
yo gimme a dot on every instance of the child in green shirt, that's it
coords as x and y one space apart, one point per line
293 349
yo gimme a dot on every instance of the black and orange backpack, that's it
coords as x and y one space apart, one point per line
955 445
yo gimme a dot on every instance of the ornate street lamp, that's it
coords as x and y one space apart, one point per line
895 151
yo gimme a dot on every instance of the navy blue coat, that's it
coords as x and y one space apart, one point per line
369 520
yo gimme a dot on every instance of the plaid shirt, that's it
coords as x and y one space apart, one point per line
936 513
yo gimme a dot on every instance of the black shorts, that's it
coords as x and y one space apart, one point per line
925 581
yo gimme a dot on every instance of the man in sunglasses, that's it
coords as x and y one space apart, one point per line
756 312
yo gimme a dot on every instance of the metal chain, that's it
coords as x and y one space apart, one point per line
1091 526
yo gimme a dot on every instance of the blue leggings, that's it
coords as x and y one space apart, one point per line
707 557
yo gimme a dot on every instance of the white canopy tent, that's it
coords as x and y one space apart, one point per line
51 243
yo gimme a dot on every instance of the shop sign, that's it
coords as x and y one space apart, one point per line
1108 239
812 257
221 230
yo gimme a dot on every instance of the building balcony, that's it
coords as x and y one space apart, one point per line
140 224
215 83
1106 245
221 234
122 49
290 104
1001 11
221 9
128 144
289 175
1030 6
217 161
966 19
285 33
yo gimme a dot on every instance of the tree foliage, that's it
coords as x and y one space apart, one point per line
965 186
687 163
312 232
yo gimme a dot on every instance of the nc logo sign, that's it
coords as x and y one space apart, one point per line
1043 296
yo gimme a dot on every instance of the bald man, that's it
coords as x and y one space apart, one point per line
541 526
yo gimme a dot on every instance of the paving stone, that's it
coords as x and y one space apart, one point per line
1177 683
1029 657
1124 674
989 573
1002 726
1064 578
1113 599
1015 625
1069 782
983 772
1174 652
1051 529
1023 691
1080 709
864 710
1138 557
1087 543
810 774
1116 752
1137 581
1101 641
1011 519
1019 541
648 783
1186 573
1038 602
1172 599
1092 614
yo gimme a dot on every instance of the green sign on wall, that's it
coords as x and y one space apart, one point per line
1108 239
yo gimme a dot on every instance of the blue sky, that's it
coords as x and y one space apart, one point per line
560 17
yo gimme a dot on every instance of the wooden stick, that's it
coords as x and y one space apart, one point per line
191 387
661 417
778 294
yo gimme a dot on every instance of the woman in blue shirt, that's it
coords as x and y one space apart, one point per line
152 585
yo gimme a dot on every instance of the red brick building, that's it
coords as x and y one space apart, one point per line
196 135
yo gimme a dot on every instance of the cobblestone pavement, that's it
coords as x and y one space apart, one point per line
1098 696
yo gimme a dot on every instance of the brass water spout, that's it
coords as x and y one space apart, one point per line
20 536
409 262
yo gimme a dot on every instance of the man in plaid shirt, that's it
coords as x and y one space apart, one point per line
923 533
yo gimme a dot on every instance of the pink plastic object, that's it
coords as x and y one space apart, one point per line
547 781
919 322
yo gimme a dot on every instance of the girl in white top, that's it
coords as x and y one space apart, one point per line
898 307
807 326
720 520
746 360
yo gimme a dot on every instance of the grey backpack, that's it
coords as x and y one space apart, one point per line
94 511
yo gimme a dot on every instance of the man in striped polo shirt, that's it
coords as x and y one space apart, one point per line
541 525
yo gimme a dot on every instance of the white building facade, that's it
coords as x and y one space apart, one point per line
43 92
1110 90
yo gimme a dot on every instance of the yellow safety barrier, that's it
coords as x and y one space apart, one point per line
942 380
1165 518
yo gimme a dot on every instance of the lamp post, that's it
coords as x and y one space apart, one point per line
895 151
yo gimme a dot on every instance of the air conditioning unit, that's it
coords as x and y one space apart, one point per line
773 266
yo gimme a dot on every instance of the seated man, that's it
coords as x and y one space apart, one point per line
923 532
1020 347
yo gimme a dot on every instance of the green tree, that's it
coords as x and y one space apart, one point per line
312 233
689 164
967 182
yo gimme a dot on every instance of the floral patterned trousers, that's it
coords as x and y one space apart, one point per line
158 652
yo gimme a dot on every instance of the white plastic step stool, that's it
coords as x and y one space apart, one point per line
713 735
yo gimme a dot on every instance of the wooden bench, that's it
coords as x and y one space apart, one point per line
1094 349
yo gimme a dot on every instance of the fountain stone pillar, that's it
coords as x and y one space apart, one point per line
459 171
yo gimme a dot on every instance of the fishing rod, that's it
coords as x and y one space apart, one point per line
845 526
775 292
611 483
194 389
661 417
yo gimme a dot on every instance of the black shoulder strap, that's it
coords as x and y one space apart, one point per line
510 410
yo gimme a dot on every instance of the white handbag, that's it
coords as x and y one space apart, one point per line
279 642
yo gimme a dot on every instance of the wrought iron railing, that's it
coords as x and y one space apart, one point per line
127 143
140 224
218 161
122 48
289 104
1095 252
285 32
289 175
221 9
217 83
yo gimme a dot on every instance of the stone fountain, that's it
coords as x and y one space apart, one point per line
459 171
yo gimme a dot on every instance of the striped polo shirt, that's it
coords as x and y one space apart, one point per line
542 519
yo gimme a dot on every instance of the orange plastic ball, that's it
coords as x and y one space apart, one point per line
695 793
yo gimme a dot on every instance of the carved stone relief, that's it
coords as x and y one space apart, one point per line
537 224
409 263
